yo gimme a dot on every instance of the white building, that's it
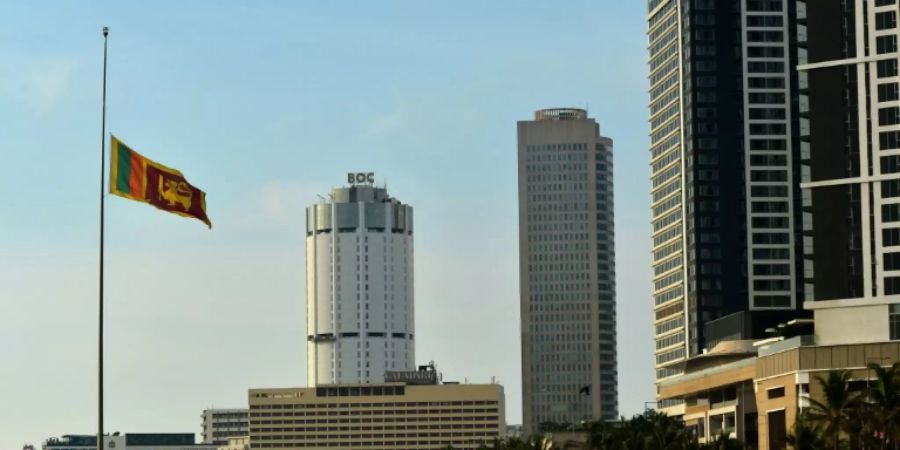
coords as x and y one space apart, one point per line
359 286
221 424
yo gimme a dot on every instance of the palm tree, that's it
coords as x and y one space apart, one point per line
885 404
723 441
834 413
600 436
805 435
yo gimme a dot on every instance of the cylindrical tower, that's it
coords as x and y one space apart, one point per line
359 287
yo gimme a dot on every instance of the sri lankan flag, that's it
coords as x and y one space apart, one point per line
138 178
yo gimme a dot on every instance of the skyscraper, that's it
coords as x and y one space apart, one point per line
851 130
725 167
566 269
359 285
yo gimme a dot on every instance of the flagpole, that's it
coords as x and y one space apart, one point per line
102 220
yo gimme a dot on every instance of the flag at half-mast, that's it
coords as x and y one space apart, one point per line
135 177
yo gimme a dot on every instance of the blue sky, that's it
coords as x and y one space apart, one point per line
264 106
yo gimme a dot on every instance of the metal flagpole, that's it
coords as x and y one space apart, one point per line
102 220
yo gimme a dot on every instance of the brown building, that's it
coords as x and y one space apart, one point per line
390 416
755 395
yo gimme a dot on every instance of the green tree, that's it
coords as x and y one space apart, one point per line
834 413
805 435
723 441
884 406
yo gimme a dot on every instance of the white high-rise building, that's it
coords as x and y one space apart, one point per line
359 285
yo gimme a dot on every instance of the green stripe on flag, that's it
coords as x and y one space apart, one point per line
123 172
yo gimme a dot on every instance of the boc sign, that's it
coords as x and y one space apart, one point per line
361 178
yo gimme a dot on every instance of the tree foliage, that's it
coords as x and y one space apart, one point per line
844 419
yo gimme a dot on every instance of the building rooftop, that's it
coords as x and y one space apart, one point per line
560 114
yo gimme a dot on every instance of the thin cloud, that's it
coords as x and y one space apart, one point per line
40 85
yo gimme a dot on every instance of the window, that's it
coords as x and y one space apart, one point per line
765 82
772 285
887 68
767 113
766 52
775 392
891 285
768 128
771 301
886 44
890 237
889 140
765 36
890 213
886 20
768 191
765 67
889 116
892 261
766 97
888 92
771 253
771 269
764 5
890 188
894 321
768 160
764 21
890 164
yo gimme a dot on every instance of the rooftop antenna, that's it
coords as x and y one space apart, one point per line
322 198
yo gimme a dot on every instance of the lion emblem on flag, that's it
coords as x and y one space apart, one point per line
175 193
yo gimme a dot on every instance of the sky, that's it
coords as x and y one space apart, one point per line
266 105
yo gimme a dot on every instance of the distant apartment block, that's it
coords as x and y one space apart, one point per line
566 269
221 424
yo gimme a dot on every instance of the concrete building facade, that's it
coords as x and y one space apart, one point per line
725 172
566 269
221 424
757 395
359 286
390 416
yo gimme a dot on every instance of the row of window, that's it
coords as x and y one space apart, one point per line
381 427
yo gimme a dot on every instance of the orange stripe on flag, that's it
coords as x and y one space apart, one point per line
136 177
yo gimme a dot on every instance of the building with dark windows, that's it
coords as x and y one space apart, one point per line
566 270
136 441
850 123
726 157
848 128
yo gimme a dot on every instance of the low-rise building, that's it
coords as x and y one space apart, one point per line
237 443
389 416
756 392
220 424
128 441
